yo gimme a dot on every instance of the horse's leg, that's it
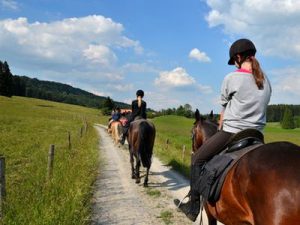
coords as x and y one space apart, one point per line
210 218
146 178
132 162
137 171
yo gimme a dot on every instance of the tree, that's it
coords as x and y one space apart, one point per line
107 106
288 120
6 83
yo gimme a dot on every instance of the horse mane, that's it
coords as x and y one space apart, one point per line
209 127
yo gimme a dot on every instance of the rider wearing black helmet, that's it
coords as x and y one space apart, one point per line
138 108
245 95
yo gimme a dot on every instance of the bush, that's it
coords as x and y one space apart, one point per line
287 120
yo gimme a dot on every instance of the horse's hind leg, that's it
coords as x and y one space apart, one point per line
137 171
146 178
133 176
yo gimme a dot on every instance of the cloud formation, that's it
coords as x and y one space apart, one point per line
198 55
273 25
9 4
87 43
287 81
178 77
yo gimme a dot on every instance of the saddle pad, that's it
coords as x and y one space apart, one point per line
215 171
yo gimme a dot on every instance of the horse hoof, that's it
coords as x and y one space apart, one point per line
138 181
145 185
133 177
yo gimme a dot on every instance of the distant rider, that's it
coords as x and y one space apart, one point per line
138 108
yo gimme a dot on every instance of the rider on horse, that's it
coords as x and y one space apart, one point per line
245 95
138 108
116 115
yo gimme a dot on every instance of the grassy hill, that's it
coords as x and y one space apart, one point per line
177 130
58 92
27 128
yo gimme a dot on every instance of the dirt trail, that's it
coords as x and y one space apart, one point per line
119 200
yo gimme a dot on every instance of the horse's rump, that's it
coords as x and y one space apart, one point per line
141 138
116 130
266 183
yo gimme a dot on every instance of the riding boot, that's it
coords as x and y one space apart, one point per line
192 208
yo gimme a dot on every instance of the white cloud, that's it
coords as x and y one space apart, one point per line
286 81
100 54
68 44
198 55
175 78
205 89
9 4
272 24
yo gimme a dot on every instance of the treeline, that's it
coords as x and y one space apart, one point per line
275 113
31 87
287 115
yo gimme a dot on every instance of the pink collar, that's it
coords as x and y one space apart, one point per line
243 71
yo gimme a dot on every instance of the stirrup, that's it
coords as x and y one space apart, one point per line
187 196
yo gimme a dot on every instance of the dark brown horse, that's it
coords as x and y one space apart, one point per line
262 188
141 136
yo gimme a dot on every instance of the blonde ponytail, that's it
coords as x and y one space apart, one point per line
139 98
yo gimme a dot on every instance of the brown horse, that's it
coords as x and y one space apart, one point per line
116 131
262 188
141 136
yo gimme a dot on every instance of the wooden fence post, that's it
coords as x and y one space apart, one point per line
2 184
50 162
85 125
183 153
69 139
81 130
167 143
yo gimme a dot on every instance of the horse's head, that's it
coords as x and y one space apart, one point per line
203 129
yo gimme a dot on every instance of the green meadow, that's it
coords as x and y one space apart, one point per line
27 128
177 132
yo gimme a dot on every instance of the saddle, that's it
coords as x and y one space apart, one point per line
214 171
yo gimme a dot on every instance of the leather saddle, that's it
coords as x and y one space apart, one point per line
214 171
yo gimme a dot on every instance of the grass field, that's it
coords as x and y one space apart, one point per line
27 128
178 131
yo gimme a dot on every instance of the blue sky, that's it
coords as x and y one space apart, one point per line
175 50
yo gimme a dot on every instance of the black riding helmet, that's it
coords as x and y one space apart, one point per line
140 93
241 46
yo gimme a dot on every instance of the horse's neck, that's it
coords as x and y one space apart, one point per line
210 128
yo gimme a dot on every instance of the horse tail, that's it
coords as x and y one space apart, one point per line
146 141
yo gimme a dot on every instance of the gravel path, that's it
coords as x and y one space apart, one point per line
119 200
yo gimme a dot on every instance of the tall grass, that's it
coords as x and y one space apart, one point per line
27 128
178 131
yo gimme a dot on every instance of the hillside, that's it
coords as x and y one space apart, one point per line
55 91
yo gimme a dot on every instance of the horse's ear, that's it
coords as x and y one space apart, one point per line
211 115
197 115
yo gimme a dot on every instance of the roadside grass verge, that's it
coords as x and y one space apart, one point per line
172 133
27 128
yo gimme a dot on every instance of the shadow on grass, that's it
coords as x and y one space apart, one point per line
181 168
